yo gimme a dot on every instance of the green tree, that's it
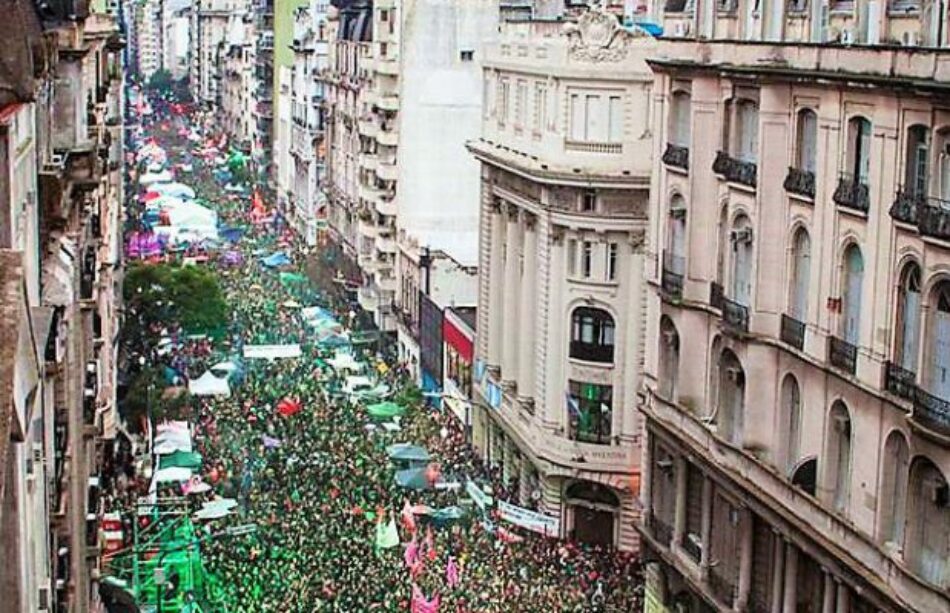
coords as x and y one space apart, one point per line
149 393
161 81
167 293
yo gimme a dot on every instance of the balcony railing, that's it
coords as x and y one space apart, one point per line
842 354
735 315
592 352
676 156
671 280
853 194
793 332
801 182
932 412
931 215
934 219
716 295
900 381
735 170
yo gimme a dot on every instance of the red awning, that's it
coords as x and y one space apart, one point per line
458 340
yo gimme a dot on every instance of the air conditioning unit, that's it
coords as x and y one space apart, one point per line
743 236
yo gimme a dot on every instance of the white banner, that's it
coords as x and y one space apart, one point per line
271 352
478 496
530 520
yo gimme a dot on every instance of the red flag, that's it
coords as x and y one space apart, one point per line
288 407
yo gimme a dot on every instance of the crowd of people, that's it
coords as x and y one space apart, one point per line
319 484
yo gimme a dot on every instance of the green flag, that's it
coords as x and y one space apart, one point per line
386 535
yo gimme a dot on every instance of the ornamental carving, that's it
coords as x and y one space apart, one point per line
597 37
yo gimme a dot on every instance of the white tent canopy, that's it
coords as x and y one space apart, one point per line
150 178
345 362
172 473
209 385
271 352
178 190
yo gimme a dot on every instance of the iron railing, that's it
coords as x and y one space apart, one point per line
905 206
735 170
842 354
801 182
735 315
793 332
716 295
676 156
931 411
671 279
933 219
592 352
900 381
852 193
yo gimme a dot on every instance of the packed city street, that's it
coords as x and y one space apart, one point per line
337 528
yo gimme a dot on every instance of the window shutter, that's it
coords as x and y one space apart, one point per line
577 118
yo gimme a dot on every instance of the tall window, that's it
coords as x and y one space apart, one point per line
669 358
806 154
572 257
747 131
851 294
680 119
839 455
893 498
938 372
521 103
540 106
741 238
590 412
916 174
587 258
613 252
801 272
908 317
596 118
928 522
792 421
503 100
943 165
615 119
859 149
592 335
677 235
731 406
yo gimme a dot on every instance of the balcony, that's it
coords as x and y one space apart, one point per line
592 352
716 295
930 215
842 354
793 332
932 412
591 147
387 170
852 194
388 134
671 281
389 102
368 127
676 156
899 381
735 316
735 170
800 182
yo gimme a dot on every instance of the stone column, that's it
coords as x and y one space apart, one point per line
843 597
706 528
778 572
496 285
646 477
679 513
828 593
509 356
791 576
745 561
526 343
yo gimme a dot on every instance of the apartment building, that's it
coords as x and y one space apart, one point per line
209 24
60 168
305 202
238 81
150 54
176 40
264 94
797 400
565 173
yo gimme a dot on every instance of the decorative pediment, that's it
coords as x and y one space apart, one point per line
598 37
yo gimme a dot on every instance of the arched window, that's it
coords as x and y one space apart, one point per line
853 280
669 358
731 407
928 522
917 158
677 235
801 273
806 141
943 164
680 119
859 149
839 455
592 335
893 496
908 317
805 477
741 238
790 435
938 334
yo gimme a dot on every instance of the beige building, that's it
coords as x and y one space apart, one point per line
237 78
565 155
209 26
798 374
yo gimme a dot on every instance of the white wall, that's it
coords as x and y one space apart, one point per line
440 109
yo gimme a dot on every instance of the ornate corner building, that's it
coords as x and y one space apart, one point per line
565 158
